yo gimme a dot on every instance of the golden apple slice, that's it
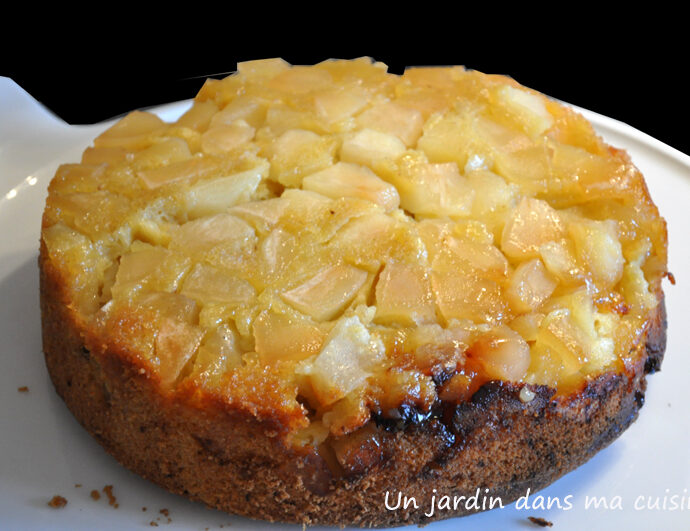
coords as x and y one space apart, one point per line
368 147
526 108
433 189
151 269
250 109
222 139
201 235
137 130
162 153
559 259
262 215
351 180
403 296
187 169
297 153
598 246
531 224
260 70
564 339
339 105
281 337
198 116
503 354
465 296
529 286
176 343
388 238
327 293
393 119
347 359
212 196
210 284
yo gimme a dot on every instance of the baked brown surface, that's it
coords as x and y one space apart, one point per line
227 399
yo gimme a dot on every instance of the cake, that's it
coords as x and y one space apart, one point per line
325 286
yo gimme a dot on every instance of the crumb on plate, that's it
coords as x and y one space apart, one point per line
57 502
541 522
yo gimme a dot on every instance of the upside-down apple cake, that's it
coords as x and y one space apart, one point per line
324 284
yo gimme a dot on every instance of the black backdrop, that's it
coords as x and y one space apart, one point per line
92 77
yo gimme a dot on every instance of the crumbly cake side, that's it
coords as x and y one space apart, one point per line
231 461
324 283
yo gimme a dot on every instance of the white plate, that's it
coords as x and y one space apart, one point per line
44 451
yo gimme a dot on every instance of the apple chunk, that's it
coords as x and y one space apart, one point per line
531 224
529 286
598 246
206 283
176 343
349 356
350 180
433 189
327 293
403 296
368 147
280 337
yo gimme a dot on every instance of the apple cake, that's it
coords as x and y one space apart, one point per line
326 286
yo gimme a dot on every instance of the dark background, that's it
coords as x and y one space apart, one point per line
86 78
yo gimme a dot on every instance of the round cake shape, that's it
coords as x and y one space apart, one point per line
322 285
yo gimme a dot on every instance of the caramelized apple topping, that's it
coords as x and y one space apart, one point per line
332 242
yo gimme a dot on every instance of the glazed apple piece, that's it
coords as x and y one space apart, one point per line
335 106
95 214
137 130
262 69
563 342
250 109
300 80
531 224
183 170
526 109
176 342
149 268
297 153
597 245
164 152
198 116
387 237
503 354
327 293
369 147
200 236
393 119
262 215
212 196
283 337
432 189
472 256
559 259
206 283
348 357
222 139
403 296
351 180
529 286
462 134
463 296
218 354
595 327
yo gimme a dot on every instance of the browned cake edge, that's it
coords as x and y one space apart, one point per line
231 461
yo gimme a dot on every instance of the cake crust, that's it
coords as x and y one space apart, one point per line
230 460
